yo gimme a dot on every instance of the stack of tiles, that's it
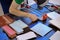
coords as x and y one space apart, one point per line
1 11
10 32
26 36
53 15
4 20
18 26
55 36
20 23
41 29
55 22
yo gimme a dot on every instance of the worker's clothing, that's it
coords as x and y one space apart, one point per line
19 1
5 5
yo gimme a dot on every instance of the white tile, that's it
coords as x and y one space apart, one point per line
53 15
56 2
41 29
18 26
1 11
21 24
31 2
55 22
26 36
55 36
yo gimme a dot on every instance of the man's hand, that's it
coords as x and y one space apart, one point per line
33 17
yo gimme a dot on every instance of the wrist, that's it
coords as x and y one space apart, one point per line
28 15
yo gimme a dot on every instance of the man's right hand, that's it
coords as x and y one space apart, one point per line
33 17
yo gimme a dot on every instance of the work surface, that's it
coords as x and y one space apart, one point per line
41 34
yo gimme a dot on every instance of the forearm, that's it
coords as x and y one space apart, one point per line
13 10
19 13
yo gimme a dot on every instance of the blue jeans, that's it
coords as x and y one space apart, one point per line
5 5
